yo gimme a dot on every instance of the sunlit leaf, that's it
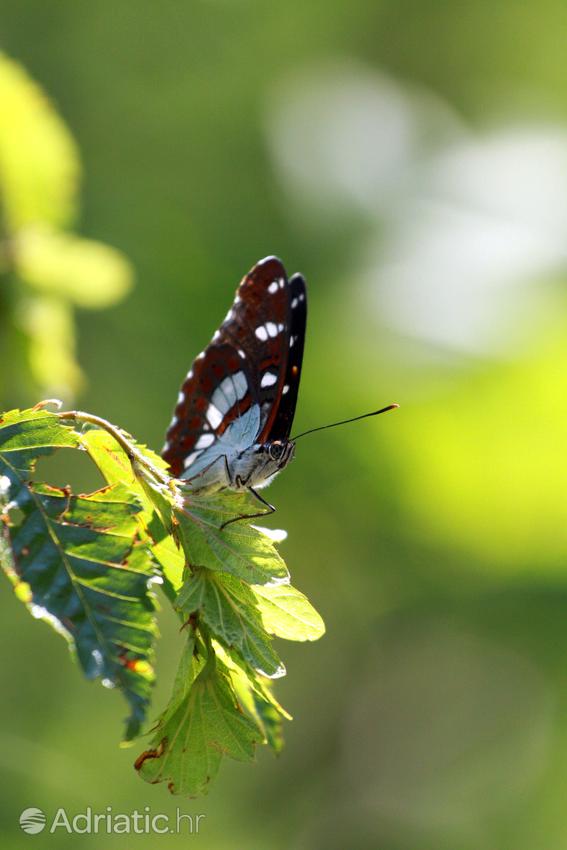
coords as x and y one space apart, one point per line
115 466
255 695
82 271
287 613
270 722
239 548
25 435
228 607
48 269
47 323
39 163
203 724
77 563
187 671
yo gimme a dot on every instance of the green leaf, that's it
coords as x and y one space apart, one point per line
287 613
202 724
111 458
77 563
39 162
85 564
28 434
190 665
82 271
254 693
269 721
115 466
239 548
169 557
49 333
228 607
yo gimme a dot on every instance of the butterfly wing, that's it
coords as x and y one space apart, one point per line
284 410
241 374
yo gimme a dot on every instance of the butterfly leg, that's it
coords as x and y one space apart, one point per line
271 510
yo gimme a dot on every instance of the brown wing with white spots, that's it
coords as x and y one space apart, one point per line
215 391
245 364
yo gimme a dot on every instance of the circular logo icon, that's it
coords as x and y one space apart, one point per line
32 820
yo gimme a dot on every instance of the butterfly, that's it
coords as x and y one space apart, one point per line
231 426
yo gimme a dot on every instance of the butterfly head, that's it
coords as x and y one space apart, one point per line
257 466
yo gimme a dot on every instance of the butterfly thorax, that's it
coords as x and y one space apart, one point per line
254 466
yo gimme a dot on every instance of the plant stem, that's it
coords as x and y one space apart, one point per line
131 451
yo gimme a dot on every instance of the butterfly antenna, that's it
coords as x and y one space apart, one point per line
346 421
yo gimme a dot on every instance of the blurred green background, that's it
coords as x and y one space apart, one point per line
410 158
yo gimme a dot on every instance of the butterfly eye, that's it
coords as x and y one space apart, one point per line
276 450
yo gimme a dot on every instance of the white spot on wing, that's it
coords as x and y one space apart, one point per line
261 333
231 389
180 398
228 316
214 416
240 384
273 287
190 458
268 379
222 400
241 354
280 328
204 441
216 336
291 341
285 389
272 329
302 296
294 303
